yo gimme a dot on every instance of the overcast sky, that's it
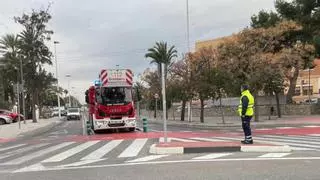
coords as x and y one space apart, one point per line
100 34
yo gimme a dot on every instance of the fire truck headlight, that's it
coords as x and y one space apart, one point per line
99 123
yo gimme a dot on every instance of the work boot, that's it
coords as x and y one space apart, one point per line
247 141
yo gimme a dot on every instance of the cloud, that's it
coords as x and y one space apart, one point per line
102 34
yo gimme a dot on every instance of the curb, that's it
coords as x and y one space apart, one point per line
40 130
187 150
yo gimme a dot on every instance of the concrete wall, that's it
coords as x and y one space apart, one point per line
232 111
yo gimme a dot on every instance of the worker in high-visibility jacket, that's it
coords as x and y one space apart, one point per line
246 112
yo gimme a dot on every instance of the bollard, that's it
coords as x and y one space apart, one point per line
89 130
145 125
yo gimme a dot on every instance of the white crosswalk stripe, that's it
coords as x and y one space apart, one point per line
134 148
64 155
212 156
20 151
11 147
38 154
99 153
293 143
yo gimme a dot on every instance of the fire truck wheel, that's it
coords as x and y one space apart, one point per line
132 129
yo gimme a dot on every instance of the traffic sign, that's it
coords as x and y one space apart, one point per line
156 96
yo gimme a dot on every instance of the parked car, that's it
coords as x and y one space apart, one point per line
5 119
73 113
14 116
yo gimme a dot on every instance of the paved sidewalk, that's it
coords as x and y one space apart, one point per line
231 122
12 131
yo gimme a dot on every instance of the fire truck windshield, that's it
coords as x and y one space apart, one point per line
116 95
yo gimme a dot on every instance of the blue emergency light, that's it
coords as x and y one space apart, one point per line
97 83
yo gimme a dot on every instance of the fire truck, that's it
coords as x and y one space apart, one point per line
110 101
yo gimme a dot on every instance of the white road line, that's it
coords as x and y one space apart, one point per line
285 127
11 147
263 129
301 149
64 155
314 134
37 154
134 148
207 139
182 140
99 153
81 163
288 139
288 142
311 126
306 138
155 130
147 158
212 156
19 151
274 155
161 139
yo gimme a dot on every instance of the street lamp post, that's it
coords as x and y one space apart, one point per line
69 77
22 92
188 45
55 57
164 105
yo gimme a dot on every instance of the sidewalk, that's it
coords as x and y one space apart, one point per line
235 122
12 131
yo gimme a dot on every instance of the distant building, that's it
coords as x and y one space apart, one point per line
302 90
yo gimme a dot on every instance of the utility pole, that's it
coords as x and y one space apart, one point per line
22 92
55 57
69 91
188 45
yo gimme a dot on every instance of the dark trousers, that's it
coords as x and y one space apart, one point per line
246 127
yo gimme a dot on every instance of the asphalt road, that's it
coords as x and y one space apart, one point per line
237 170
53 155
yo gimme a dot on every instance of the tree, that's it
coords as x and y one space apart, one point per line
34 51
180 84
264 19
160 53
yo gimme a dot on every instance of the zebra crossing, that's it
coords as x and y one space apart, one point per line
70 154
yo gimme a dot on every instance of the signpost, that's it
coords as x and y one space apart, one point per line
156 96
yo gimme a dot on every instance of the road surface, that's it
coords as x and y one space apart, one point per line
63 153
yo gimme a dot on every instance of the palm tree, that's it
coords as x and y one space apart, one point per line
160 53
9 48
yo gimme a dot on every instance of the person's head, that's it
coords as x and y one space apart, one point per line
244 87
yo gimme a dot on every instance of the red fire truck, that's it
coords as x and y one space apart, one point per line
110 101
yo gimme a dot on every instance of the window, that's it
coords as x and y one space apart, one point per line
297 91
306 90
